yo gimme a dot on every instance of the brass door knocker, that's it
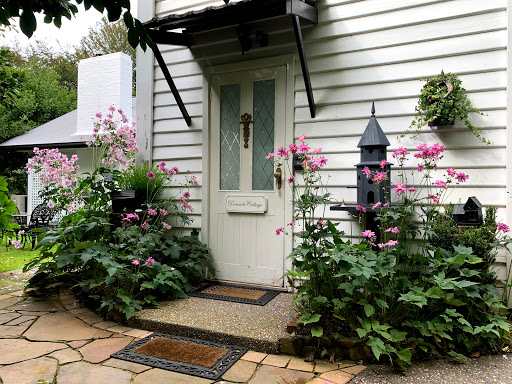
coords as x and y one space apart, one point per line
246 121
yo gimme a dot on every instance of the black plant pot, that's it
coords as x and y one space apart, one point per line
124 201
441 121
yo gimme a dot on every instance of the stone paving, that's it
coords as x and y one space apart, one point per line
53 339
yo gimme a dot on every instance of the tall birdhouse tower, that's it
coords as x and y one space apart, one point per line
373 145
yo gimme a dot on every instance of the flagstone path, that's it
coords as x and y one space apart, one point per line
54 340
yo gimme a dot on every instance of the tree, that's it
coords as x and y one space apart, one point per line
55 10
39 98
63 62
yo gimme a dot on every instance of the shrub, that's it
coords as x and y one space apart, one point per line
399 298
120 262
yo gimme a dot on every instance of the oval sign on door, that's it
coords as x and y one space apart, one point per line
246 204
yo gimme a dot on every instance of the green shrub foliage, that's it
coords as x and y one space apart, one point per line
426 288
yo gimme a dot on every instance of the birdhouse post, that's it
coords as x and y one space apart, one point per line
373 145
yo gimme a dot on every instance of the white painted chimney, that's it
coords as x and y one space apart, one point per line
103 81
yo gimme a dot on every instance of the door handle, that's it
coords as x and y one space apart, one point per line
277 175
246 121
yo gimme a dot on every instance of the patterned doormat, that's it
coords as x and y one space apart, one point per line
236 293
184 355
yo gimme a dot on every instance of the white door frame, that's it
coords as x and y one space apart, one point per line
289 62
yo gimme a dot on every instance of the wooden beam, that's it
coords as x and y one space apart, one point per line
303 10
171 84
170 38
304 65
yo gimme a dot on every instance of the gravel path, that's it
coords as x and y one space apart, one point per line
495 369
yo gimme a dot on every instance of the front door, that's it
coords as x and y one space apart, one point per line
246 205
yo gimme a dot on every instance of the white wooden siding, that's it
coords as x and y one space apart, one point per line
363 51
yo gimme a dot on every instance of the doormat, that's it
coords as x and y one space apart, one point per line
183 355
236 293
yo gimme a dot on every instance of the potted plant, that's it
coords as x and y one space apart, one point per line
441 100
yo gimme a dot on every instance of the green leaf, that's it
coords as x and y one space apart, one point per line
397 336
377 346
369 310
308 318
381 303
317 331
461 250
112 271
404 355
28 23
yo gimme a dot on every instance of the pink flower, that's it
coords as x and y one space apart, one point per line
380 176
360 208
111 108
99 115
293 148
451 171
437 148
163 212
151 175
462 177
368 233
302 138
412 189
283 152
270 155
186 195
394 230
441 183
422 146
420 167
152 212
322 223
318 150
149 261
193 180
135 262
279 230
399 188
383 163
291 179
17 244
377 205
401 151
503 227
144 225
367 172
321 161
50 204
165 225
390 243
290 224
433 197
304 148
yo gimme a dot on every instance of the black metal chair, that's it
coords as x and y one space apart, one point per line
39 222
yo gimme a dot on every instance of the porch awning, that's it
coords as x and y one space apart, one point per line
231 14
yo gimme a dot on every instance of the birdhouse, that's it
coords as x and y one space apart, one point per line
469 214
373 145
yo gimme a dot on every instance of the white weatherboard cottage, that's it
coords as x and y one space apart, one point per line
357 52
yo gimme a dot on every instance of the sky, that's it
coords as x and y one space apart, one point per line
69 34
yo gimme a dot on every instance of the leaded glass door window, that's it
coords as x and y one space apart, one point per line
242 156
247 122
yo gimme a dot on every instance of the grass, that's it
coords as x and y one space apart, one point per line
12 258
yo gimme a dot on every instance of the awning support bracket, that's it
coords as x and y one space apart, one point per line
172 86
304 65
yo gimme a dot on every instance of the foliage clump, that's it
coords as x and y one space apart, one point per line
120 262
407 292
